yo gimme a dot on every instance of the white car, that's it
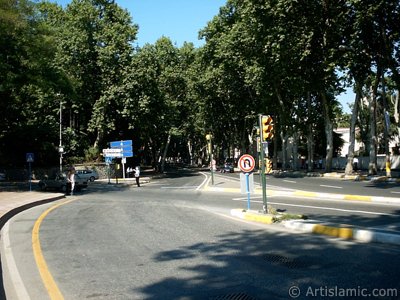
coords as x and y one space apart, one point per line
88 174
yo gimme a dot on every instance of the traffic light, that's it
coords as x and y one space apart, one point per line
267 128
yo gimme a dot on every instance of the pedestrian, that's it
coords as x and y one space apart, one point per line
355 163
71 179
137 175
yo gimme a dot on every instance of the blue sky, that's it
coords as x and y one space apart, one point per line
180 20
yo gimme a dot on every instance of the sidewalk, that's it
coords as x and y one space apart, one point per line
13 202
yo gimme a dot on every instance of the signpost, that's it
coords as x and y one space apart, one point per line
122 150
266 134
108 162
246 164
30 158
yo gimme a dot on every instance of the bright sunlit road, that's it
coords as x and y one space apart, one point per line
167 240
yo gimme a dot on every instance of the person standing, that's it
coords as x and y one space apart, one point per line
137 175
71 179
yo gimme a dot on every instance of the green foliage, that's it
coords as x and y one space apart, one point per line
279 57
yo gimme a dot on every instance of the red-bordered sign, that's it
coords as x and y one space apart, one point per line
246 163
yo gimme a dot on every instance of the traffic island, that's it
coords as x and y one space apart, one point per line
269 218
348 232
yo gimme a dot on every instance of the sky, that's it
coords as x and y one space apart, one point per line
179 20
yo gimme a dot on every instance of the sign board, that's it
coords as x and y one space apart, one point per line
246 163
125 146
112 152
30 157
108 160
121 144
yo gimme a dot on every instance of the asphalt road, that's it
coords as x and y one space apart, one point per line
332 185
168 240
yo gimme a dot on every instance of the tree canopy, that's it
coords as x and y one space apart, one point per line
289 59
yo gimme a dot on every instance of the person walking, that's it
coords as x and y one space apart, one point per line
71 179
137 175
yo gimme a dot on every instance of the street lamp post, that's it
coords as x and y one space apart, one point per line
209 143
60 147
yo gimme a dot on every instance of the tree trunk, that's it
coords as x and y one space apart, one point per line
350 158
190 150
386 121
284 139
165 153
396 110
310 136
295 154
372 166
99 138
328 133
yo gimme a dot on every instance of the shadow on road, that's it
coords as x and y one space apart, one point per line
259 265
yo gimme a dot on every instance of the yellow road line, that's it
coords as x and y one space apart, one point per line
48 280
358 198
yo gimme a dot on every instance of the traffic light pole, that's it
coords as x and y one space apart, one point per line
262 166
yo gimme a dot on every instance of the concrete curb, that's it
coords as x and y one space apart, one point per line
344 232
17 202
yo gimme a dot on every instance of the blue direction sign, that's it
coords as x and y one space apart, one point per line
121 144
126 147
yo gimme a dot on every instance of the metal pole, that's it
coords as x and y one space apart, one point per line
212 160
30 177
60 150
248 190
262 175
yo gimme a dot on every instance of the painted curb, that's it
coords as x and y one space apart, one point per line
344 232
252 216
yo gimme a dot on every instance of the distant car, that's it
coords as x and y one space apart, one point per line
91 175
227 168
60 183
3 175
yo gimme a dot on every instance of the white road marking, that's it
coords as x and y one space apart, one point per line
251 197
180 187
331 186
395 192
9 262
204 181
322 208
231 179
290 181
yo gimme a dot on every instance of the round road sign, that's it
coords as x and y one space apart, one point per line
246 163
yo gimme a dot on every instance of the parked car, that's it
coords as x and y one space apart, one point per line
88 174
227 168
3 175
60 183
